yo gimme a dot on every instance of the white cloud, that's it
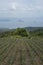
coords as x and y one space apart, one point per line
25 7
20 7
14 5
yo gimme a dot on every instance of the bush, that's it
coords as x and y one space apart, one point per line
21 31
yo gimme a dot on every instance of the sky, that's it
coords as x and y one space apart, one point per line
30 11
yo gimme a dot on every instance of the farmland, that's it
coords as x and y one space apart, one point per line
21 51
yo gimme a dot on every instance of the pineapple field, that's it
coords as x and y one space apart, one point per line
21 51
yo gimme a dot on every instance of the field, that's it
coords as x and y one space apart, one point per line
21 51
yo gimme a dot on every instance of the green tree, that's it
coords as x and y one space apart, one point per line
21 31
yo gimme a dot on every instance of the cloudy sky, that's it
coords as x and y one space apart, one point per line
21 9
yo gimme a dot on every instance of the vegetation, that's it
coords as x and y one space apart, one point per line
38 32
18 32
23 33
21 51
21 47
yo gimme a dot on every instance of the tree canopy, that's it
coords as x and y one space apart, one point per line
21 31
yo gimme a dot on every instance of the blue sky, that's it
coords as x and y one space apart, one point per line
31 9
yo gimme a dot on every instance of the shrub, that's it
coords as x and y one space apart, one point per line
21 31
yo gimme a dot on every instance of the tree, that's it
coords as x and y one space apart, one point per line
21 31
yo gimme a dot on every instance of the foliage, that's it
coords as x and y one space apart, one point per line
38 32
21 31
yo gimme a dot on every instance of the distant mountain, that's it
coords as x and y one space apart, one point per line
33 28
3 30
27 28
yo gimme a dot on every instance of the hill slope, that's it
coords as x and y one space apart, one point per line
3 30
21 51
